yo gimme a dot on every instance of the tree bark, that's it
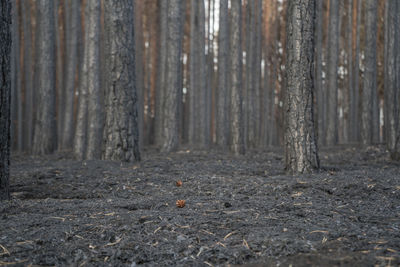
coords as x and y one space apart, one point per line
369 94
161 73
235 50
357 74
174 48
5 94
318 86
72 46
16 81
121 140
392 91
332 84
222 90
45 135
301 154
89 127
28 73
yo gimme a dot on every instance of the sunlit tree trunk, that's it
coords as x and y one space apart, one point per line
300 145
5 93
45 135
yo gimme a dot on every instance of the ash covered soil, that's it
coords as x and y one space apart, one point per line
239 211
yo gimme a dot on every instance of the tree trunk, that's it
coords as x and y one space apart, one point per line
369 94
235 50
332 88
28 73
222 89
138 6
392 91
318 86
45 136
72 46
161 73
16 81
174 48
357 73
5 93
300 145
121 140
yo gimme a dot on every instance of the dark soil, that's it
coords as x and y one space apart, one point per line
239 210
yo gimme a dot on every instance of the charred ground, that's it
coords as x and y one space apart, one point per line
239 210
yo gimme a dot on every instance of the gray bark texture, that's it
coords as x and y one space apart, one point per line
236 95
16 82
5 94
161 72
222 89
174 50
139 68
88 138
319 90
369 114
45 135
254 73
332 83
392 69
121 133
300 145
72 45
28 72
356 87
198 128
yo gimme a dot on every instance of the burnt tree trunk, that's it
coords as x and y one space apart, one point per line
301 154
5 93
121 132
45 135
174 49
236 95
370 118
392 90
331 132
222 89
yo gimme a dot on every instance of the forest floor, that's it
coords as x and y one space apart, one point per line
239 211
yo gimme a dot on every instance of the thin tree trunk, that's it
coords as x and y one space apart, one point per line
28 73
91 58
301 154
139 67
45 136
60 40
369 113
72 46
235 50
392 91
16 79
332 84
174 48
318 86
5 94
356 87
222 89
161 73
121 140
